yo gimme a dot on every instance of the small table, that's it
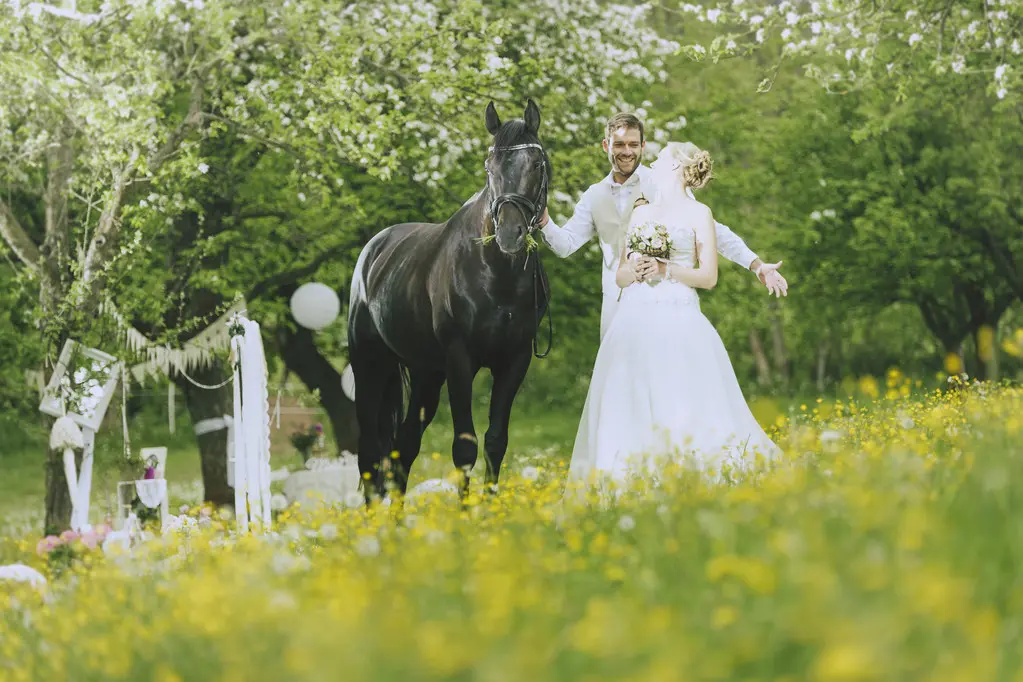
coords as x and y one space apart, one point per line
152 492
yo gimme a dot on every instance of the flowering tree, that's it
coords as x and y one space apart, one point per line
847 43
107 108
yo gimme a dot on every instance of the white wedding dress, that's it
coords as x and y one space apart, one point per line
663 387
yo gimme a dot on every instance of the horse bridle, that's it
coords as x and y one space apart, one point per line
526 206
519 201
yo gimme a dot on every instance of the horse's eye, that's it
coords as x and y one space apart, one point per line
538 165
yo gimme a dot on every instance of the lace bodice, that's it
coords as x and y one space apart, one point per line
684 247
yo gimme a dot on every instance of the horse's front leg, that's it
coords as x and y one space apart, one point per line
461 371
507 380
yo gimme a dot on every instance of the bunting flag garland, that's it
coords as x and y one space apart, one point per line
197 352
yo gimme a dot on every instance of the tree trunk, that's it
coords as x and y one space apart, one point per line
300 354
203 404
822 364
781 358
53 267
984 354
993 367
58 500
759 357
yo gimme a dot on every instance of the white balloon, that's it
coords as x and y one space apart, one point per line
315 305
348 382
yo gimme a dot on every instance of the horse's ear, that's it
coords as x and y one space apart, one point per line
532 117
493 120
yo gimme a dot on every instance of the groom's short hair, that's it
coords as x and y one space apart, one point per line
620 120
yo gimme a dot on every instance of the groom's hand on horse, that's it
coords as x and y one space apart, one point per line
772 279
544 219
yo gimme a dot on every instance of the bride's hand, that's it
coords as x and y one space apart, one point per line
645 268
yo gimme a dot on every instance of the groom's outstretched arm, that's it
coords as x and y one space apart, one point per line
732 247
564 241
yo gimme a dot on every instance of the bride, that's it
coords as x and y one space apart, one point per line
662 385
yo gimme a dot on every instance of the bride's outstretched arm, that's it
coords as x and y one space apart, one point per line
704 276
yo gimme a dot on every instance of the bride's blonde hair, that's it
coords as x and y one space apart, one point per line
697 167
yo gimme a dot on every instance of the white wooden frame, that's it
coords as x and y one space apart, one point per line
52 403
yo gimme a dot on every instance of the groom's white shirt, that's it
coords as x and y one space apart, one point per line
604 210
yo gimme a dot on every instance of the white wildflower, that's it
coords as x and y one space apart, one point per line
367 545
203 168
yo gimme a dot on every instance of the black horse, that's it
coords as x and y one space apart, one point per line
435 303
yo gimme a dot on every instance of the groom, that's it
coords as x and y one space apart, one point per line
605 209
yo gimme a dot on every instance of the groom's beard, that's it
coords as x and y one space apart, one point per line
625 164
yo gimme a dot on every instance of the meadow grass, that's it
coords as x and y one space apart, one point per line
886 545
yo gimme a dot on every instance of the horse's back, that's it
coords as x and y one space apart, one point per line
394 245
389 295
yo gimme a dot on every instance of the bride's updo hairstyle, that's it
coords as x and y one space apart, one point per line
697 167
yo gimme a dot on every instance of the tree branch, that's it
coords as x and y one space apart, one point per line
102 245
271 284
16 237
101 248
56 244
192 120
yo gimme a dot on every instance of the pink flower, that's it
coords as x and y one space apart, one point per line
90 539
46 545
69 536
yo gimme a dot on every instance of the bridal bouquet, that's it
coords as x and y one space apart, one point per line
649 239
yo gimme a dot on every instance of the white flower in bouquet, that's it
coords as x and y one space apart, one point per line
649 239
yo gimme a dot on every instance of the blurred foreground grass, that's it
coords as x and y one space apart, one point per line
887 546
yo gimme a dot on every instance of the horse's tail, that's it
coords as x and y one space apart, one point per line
393 405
